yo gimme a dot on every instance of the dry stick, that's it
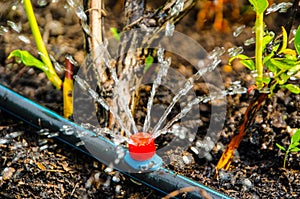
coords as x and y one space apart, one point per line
134 9
96 23
249 116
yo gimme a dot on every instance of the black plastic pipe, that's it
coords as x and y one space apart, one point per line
162 180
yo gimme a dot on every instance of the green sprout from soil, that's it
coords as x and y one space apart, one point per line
293 147
275 64
259 6
280 61
29 60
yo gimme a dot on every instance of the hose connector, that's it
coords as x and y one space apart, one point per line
141 152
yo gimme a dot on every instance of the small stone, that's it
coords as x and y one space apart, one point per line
56 28
247 182
7 173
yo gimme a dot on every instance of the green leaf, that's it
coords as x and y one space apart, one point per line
280 147
294 70
271 67
293 88
296 136
259 5
115 33
268 57
296 149
266 80
27 59
245 60
267 39
284 40
283 78
281 63
148 62
297 41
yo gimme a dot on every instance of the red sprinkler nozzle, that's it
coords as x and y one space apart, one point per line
142 146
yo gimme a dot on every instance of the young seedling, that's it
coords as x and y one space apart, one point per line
293 147
27 59
45 63
274 64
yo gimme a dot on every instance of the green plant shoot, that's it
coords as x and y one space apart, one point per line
293 147
115 33
279 60
148 62
259 6
28 59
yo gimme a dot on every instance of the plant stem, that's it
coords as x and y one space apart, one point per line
51 74
259 34
285 157
254 106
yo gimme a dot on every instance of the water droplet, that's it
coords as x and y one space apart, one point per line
239 30
118 189
250 41
4 141
186 159
14 26
58 67
44 147
72 3
170 27
3 30
116 178
265 90
43 132
15 134
293 31
108 169
24 39
80 13
195 150
82 83
213 64
42 141
216 52
177 8
71 59
67 130
81 143
282 7
51 135
235 51
42 3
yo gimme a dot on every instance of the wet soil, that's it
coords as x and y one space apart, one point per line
33 166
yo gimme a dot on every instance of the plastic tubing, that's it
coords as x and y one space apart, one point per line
162 180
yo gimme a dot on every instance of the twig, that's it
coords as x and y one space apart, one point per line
254 106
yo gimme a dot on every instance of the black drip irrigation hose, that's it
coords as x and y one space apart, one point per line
162 180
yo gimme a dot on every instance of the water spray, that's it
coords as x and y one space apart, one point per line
158 178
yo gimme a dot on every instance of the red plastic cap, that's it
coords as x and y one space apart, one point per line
142 146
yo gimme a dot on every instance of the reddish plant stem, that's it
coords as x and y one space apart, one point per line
254 106
68 90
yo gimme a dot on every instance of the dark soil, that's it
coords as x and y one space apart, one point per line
34 166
